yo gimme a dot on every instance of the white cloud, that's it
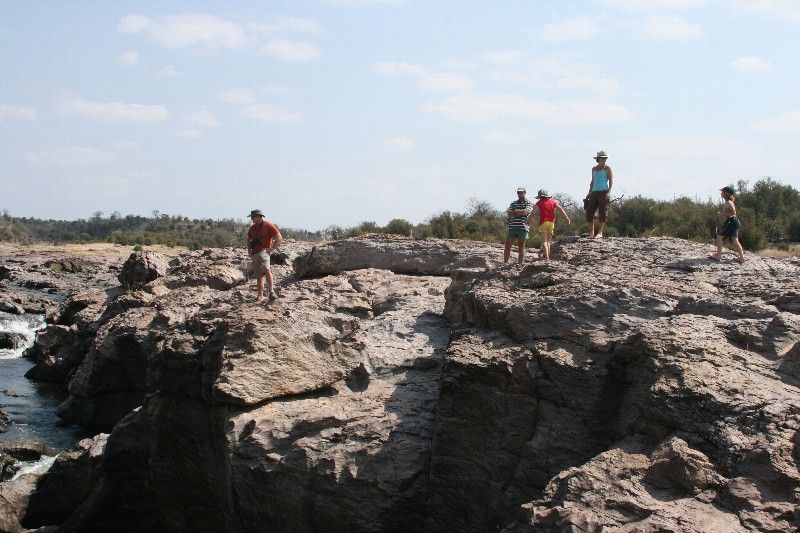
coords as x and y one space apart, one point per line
237 97
752 64
188 134
654 4
169 72
785 9
670 28
427 81
397 68
292 51
363 3
668 146
788 122
128 58
571 30
16 111
556 75
484 108
271 113
399 143
199 30
290 24
116 112
203 118
274 89
71 156
444 81
121 146
509 137
504 57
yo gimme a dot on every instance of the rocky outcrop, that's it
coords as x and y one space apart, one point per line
66 485
141 268
631 384
14 496
624 339
429 257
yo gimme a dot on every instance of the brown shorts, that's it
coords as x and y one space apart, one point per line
598 201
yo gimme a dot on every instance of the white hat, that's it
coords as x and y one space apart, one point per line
601 154
521 189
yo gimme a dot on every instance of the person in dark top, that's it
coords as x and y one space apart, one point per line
262 238
517 213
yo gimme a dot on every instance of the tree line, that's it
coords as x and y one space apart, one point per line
769 210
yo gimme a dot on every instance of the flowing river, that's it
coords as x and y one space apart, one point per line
31 406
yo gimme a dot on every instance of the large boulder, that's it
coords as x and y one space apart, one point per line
401 255
10 340
14 496
142 268
66 485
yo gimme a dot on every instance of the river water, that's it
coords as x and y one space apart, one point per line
31 406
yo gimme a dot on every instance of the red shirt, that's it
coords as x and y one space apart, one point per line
266 231
547 210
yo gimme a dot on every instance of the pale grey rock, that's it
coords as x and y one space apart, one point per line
431 257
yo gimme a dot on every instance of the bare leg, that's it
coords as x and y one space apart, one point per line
590 228
507 250
521 251
548 239
717 256
739 247
600 229
270 281
260 285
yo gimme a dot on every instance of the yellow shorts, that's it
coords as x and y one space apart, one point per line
547 227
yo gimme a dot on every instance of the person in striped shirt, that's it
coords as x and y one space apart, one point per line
518 213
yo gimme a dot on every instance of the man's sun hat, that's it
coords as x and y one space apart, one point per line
256 213
601 154
543 194
521 189
728 189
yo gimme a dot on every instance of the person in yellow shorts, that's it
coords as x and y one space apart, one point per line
547 219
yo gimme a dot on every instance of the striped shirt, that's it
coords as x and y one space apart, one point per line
520 222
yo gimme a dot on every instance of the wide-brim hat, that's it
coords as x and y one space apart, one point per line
543 194
601 155
521 189
256 213
728 189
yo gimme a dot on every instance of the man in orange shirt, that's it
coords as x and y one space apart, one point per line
262 238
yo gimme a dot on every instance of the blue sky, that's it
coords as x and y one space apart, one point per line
338 111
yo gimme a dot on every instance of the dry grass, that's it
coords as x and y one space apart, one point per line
83 250
787 251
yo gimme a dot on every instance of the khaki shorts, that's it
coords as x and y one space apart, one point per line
260 263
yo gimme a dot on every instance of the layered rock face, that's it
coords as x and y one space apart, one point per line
630 385
623 339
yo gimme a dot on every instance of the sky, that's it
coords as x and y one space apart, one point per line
326 112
